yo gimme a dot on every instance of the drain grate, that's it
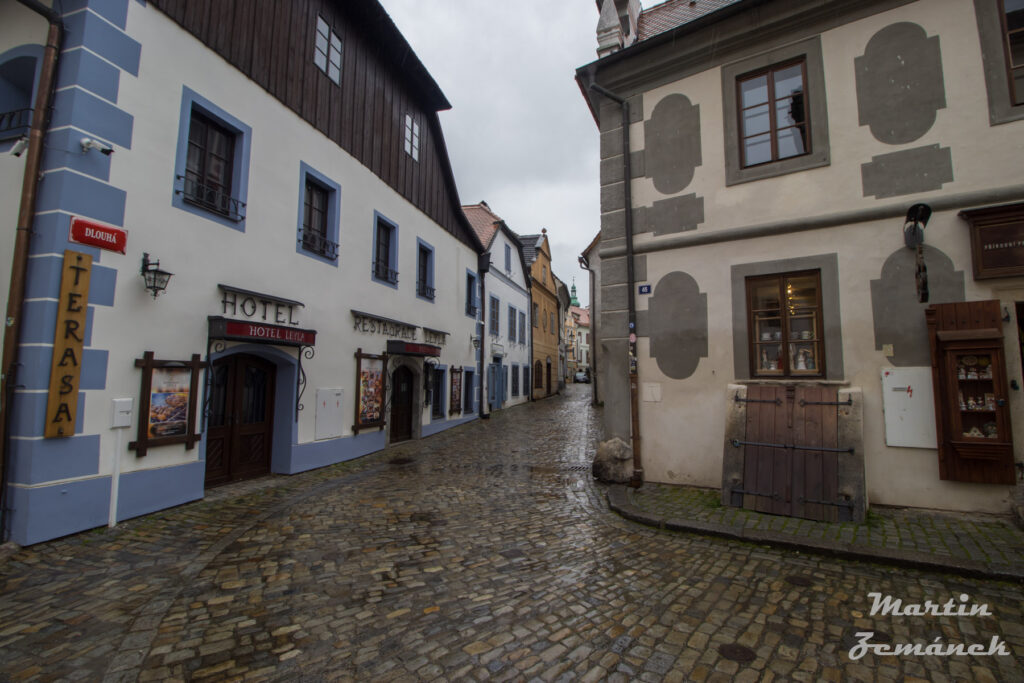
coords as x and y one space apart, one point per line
737 652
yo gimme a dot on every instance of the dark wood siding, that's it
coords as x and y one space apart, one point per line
272 42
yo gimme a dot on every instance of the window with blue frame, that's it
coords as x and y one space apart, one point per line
211 172
511 324
437 391
472 307
320 200
515 380
494 316
526 379
508 259
424 271
522 327
385 251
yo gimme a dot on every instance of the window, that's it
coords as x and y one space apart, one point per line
1012 18
526 379
773 114
508 258
515 381
318 215
412 137
17 83
544 274
437 394
538 375
785 323
425 271
211 150
385 252
472 308
495 313
522 327
511 324
553 328
536 315
211 168
327 53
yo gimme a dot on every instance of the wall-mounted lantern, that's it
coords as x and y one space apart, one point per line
156 278
913 237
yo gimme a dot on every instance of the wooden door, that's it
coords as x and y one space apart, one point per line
791 453
239 436
401 404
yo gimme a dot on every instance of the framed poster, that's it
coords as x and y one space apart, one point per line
370 388
167 402
456 392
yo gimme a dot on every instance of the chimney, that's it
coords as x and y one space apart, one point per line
617 26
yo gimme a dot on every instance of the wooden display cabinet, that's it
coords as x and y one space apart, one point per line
971 403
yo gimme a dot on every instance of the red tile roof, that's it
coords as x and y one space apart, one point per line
483 221
674 13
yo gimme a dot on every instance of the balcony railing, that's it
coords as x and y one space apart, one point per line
472 309
424 290
15 121
318 244
211 198
382 270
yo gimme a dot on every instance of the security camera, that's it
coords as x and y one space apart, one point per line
89 143
20 146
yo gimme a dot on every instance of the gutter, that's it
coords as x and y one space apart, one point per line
26 213
634 403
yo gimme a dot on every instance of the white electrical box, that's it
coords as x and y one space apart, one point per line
121 413
909 406
329 419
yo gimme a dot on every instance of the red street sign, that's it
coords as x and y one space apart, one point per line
398 347
84 231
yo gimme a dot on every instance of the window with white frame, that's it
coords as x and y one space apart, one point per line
327 52
412 137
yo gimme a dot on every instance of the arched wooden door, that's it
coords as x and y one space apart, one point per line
401 404
240 430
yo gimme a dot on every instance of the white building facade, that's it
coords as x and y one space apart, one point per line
316 310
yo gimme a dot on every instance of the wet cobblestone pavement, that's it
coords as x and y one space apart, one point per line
482 553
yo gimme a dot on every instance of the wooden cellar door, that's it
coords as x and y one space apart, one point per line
791 453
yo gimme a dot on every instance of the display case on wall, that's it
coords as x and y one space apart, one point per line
971 403
785 324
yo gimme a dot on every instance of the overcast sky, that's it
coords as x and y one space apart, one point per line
519 134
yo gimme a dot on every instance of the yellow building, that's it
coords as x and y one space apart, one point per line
537 252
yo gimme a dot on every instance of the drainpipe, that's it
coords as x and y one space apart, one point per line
585 265
484 266
26 212
634 405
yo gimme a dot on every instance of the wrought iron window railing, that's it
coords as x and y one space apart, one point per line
318 243
425 290
382 270
472 309
211 198
15 120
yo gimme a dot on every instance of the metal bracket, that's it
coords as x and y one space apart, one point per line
300 381
737 443
840 504
737 399
773 496
847 402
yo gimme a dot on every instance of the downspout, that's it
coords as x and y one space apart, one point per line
484 266
634 404
26 213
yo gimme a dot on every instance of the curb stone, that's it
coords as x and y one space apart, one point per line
620 499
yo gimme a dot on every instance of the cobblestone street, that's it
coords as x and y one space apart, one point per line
482 553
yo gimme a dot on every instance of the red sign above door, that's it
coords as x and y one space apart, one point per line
85 231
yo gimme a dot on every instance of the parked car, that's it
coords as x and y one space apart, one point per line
581 377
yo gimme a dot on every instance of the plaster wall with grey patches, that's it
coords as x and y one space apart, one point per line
839 209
